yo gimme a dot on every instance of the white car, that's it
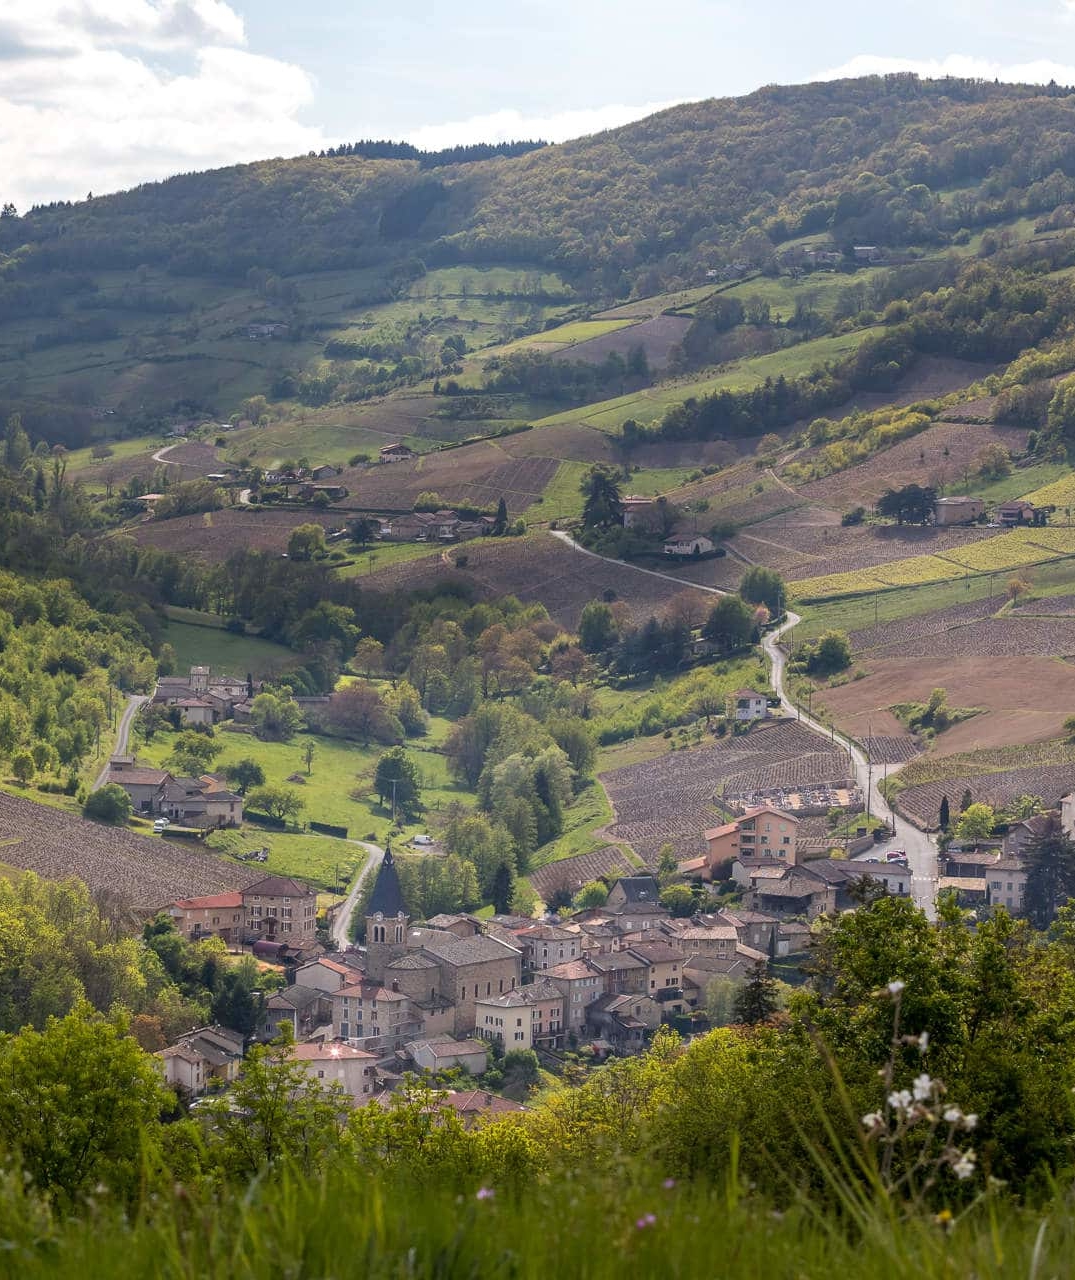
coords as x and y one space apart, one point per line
161 824
422 839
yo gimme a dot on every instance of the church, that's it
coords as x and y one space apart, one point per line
419 981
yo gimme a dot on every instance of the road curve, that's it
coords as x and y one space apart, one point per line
653 573
920 849
341 924
134 704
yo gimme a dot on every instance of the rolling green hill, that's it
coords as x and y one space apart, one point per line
122 314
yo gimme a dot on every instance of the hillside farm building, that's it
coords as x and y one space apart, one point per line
957 510
698 545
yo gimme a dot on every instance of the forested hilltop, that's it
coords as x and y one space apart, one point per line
876 158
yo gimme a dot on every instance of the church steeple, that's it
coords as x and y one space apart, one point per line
387 919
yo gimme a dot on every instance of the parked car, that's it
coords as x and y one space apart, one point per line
422 839
161 824
895 855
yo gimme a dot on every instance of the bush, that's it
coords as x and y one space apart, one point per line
110 804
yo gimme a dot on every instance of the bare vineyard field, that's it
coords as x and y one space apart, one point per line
573 873
1055 606
1023 699
990 638
541 567
149 873
899 631
894 750
811 542
657 336
478 473
670 798
920 459
922 803
215 535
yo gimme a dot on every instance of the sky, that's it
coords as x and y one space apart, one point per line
99 95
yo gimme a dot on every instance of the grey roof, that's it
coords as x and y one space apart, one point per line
464 951
413 960
387 895
534 993
277 887
639 889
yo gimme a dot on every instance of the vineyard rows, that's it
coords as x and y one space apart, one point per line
670 798
1017 549
922 803
148 873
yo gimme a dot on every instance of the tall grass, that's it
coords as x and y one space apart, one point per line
343 1224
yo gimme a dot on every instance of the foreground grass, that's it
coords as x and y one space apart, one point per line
602 1227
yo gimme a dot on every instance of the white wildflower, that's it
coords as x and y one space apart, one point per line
874 1120
895 987
952 1115
964 1166
900 1101
970 1122
923 1087
923 1042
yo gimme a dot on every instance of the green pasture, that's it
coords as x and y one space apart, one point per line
819 290
570 335
197 644
649 405
382 555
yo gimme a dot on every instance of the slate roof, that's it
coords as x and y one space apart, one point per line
639 889
387 891
464 951
413 960
277 887
534 993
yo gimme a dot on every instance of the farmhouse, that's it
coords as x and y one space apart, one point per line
957 510
217 915
746 705
1020 512
763 834
639 513
684 546
201 697
396 453
280 909
195 802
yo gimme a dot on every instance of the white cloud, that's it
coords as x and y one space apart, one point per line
559 126
1041 71
86 102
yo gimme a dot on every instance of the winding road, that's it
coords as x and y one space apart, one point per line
341 925
920 849
134 704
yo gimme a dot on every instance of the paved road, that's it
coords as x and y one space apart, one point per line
653 573
134 704
920 849
341 925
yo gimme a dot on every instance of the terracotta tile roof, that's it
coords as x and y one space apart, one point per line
313 1052
223 901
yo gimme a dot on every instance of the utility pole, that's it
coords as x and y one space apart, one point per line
869 767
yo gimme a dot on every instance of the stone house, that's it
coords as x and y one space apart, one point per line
352 1069
545 945
396 453
374 1017
442 1053
580 984
217 915
202 1056
280 909
633 903
623 1021
688 545
528 1017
